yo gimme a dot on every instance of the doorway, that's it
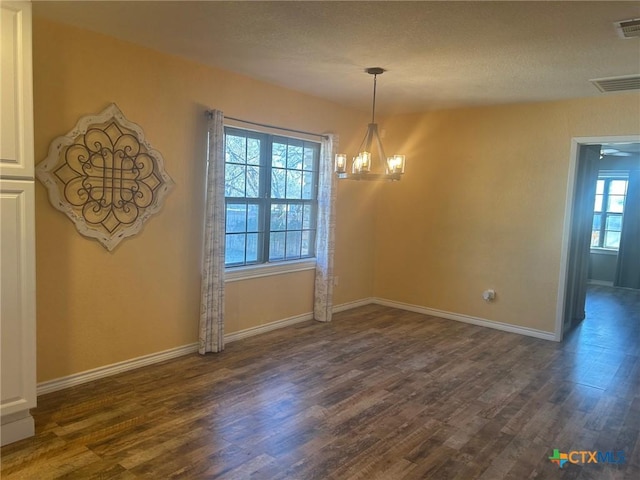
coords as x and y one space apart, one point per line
579 231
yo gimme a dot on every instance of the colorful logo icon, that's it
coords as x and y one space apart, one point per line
559 458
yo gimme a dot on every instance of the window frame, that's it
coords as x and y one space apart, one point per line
265 200
608 177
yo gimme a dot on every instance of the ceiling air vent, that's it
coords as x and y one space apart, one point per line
617 84
629 28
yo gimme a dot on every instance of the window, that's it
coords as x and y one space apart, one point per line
611 192
270 197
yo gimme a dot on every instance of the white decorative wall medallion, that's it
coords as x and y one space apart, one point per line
105 177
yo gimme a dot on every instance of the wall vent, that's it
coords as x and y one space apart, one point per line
617 84
629 28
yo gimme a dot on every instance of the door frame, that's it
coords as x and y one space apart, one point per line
576 142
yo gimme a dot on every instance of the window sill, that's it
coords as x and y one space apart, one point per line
604 251
268 269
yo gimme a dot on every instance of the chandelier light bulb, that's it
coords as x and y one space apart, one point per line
395 164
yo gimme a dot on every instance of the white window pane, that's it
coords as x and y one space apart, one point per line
615 203
253 182
618 187
279 155
596 221
234 248
611 239
234 177
309 158
595 238
307 185
252 247
253 218
294 184
235 149
294 157
276 246
278 217
236 219
294 217
600 187
278 176
598 204
306 216
614 222
307 245
253 151
294 240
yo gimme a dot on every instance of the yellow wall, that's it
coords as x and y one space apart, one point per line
482 206
95 308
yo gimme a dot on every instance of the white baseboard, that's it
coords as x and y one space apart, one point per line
349 305
506 327
602 283
108 370
14 429
250 332
267 327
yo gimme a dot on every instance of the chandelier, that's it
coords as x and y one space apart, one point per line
361 165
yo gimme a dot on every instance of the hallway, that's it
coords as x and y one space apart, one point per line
612 321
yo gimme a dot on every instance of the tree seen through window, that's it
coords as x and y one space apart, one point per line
270 190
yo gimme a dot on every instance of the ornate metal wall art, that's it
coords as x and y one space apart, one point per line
105 177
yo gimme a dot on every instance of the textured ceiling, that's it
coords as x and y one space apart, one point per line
438 54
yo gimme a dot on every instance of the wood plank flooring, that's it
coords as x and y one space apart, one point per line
376 394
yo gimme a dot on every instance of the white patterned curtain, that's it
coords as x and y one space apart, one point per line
325 235
211 337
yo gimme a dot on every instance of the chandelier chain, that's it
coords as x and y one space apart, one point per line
373 110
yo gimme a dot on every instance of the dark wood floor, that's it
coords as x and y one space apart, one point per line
378 393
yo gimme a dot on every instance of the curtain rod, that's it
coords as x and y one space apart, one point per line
284 129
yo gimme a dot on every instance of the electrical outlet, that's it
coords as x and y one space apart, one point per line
489 295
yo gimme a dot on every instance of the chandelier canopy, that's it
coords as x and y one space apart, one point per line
361 166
